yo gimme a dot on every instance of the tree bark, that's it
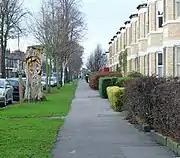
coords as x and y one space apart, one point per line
57 71
34 90
63 74
47 69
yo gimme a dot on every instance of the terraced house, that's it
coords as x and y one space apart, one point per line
150 38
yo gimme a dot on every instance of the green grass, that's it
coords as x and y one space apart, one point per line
25 132
25 138
58 104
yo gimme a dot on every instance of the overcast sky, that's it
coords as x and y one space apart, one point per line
103 18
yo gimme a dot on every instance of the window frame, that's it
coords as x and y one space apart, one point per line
177 64
157 63
177 11
158 16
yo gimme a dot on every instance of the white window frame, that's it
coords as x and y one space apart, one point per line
177 8
159 16
159 66
176 62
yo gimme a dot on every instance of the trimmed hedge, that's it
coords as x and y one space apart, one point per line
139 98
94 78
120 81
115 96
105 82
166 117
134 74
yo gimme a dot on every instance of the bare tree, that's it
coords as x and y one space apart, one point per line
75 63
44 34
96 60
72 30
60 27
11 15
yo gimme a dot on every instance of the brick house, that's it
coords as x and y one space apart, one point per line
151 38
14 61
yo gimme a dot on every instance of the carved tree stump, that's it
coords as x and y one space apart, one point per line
34 91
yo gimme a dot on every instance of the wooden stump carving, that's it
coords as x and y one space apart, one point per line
34 91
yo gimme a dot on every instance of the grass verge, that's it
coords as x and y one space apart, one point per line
58 104
24 130
28 138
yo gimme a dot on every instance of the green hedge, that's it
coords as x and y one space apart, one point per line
116 97
134 74
105 82
120 81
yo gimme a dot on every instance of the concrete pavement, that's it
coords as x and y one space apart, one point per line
93 130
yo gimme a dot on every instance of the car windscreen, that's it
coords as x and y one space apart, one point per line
1 84
14 83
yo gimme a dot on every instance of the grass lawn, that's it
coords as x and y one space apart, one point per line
58 104
28 138
24 130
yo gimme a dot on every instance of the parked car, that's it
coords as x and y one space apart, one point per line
15 83
24 79
53 82
6 92
43 82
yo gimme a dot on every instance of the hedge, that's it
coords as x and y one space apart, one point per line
94 78
120 81
156 101
115 96
105 82
138 97
166 117
134 74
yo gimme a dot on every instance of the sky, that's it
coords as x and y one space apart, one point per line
103 19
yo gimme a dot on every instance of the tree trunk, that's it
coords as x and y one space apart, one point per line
34 90
50 67
3 56
47 70
63 73
20 87
57 71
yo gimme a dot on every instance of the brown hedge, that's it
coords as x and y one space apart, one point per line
166 112
94 78
138 97
155 101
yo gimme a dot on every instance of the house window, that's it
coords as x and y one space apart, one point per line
148 64
164 7
145 65
148 19
164 62
145 24
177 8
159 6
135 33
117 49
137 65
130 65
160 19
160 64
178 61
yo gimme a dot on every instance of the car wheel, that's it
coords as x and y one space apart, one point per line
10 101
5 101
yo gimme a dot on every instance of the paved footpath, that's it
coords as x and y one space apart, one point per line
93 130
